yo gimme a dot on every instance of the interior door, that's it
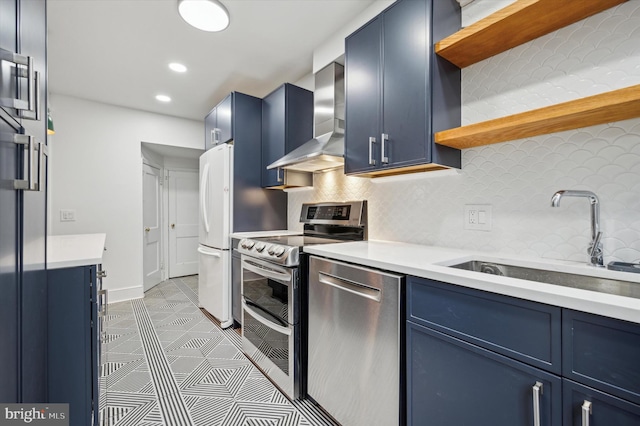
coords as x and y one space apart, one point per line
183 223
151 220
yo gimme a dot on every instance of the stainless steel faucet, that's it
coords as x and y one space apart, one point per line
595 247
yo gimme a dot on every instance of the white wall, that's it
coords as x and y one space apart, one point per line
518 178
333 48
96 170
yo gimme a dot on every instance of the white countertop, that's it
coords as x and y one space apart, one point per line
430 262
68 251
258 234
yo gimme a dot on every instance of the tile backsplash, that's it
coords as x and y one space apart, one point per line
518 178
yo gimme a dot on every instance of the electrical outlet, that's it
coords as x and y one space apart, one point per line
67 215
477 217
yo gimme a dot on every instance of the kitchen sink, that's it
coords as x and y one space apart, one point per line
584 282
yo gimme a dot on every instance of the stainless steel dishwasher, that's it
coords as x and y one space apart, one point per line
354 342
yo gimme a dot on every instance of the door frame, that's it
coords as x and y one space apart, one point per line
165 214
146 161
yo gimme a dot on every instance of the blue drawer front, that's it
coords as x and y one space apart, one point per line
603 353
523 330
454 383
606 410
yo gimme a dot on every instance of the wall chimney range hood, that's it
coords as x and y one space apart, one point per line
326 150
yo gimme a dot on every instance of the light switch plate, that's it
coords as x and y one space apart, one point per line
477 217
67 215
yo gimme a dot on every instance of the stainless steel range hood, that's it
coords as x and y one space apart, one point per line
326 149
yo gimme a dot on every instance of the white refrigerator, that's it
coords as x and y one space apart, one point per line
216 189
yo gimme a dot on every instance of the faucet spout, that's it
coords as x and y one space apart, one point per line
595 247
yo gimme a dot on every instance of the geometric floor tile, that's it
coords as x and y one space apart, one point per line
168 363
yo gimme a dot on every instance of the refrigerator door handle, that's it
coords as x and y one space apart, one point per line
203 196
208 253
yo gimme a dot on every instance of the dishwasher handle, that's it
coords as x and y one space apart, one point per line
350 286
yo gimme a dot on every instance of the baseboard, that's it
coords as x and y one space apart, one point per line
124 294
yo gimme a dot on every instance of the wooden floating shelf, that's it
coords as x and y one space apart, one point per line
608 107
514 25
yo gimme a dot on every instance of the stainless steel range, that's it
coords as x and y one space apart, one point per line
275 288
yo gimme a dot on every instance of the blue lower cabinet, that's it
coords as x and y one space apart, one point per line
603 353
74 342
455 383
586 406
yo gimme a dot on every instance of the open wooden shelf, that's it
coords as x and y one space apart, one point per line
607 107
514 25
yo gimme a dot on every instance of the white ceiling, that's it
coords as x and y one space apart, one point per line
117 51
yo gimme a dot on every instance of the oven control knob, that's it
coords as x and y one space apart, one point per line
271 250
279 251
249 244
260 247
243 244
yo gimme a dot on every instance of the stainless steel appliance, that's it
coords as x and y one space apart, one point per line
355 342
274 290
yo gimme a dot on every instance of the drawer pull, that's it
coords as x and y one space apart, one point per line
537 391
586 412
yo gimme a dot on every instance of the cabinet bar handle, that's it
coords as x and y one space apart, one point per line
537 391
278 176
372 162
30 169
385 139
586 412
29 74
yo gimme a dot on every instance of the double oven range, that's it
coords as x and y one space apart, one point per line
275 290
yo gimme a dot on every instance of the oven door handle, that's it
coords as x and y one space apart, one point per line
265 270
264 321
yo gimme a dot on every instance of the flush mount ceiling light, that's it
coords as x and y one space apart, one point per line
174 66
163 98
205 15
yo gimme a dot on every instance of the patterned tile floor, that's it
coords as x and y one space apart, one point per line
168 364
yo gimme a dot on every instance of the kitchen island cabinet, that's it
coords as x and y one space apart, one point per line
398 92
76 309
287 123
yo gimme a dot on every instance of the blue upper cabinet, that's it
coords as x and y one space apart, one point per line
287 123
398 92
218 123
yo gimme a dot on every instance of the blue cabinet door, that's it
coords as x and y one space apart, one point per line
210 130
9 277
224 119
218 124
454 383
363 92
73 350
406 84
32 39
398 92
287 123
602 352
586 406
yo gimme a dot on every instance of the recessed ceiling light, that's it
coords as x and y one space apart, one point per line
205 15
177 67
163 98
